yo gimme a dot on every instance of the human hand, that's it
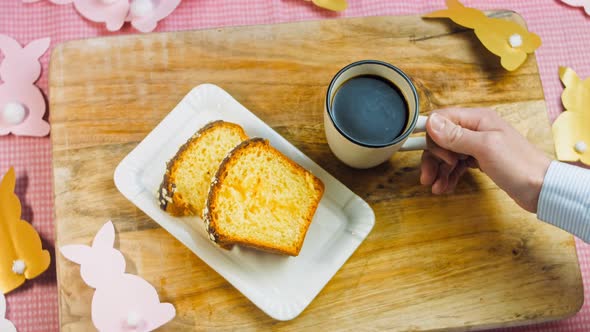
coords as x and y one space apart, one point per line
479 138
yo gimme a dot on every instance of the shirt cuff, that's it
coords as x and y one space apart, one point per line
565 199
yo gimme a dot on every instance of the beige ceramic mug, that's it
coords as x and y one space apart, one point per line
359 154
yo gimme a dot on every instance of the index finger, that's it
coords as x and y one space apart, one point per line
476 119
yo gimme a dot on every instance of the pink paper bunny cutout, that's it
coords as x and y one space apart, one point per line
579 3
57 2
143 14
110 12
22 104
121 302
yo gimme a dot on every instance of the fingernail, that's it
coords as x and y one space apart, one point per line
437 123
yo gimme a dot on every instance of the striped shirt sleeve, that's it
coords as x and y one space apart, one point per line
565 199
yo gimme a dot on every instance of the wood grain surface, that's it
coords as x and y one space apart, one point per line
470 260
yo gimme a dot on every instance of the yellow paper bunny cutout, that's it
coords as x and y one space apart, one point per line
571 130
508 40
21 254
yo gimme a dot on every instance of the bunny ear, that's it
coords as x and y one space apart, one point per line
9 180
105 238
568 77
77 253
454 4
9 45
38 47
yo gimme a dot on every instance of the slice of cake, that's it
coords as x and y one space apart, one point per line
261 199
183 191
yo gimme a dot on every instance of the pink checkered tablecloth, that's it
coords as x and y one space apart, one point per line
565 32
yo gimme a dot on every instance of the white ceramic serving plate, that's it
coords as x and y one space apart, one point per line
281 286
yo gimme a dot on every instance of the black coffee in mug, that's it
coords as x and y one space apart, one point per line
370 109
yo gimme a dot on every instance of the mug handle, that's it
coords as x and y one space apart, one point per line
417 143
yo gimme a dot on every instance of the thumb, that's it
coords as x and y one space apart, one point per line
453 137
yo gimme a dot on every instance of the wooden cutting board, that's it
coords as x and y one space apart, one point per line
470 260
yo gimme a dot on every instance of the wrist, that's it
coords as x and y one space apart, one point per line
534 184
